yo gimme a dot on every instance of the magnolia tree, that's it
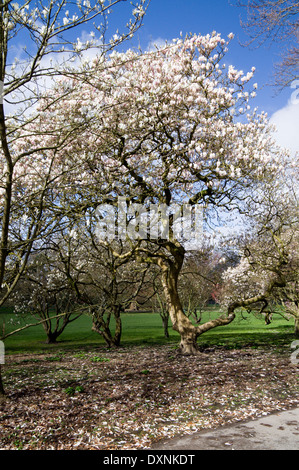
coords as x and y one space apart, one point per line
265 282
45 294
164 129
39 40
266 278
75 276
103 278
109 280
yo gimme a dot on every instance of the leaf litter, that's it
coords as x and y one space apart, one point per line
132 397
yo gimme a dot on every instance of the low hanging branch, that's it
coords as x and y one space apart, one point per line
279 282
4 336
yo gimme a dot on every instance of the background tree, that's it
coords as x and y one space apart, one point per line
119 282
103 278
266 280
200 276
275 21
44 293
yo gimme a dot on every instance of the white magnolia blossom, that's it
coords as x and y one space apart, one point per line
164 106
243 282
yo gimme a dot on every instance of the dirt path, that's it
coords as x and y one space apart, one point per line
278 431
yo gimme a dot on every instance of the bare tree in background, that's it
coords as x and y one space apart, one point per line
275 21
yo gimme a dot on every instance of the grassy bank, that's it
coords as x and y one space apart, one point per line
146 328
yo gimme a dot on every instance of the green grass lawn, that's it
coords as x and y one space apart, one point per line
147 329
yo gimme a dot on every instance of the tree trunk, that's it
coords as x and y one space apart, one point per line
296 331
52 337
165 326
180 322
188 344
118 325
102 326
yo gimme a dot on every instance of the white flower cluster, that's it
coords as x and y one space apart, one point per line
172 112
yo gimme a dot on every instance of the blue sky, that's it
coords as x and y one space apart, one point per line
166 19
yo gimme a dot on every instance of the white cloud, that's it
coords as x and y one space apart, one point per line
15 102
286 121
156 43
